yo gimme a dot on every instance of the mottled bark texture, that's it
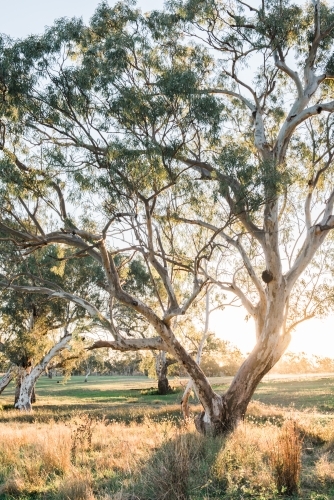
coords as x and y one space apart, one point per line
25 394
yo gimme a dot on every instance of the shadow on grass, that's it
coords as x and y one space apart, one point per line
180 469
111 413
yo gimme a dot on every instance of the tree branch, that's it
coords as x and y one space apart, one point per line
155 343
281 64
249 105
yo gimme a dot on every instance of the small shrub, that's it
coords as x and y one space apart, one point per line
240 467
324 470
316 432
13 486
81 435
285 459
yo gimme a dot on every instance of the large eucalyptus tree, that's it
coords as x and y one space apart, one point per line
200 134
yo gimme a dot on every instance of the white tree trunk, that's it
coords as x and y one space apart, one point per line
6 379
87 375
28 381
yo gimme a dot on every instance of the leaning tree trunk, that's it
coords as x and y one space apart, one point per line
87 375
26 394
6 379
223 413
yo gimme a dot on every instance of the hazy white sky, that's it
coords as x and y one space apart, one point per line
315 336
20 18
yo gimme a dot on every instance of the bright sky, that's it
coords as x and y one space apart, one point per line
20 18
315 336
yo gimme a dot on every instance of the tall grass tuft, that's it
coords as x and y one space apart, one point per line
81 435
324 470
77 487
167 474
285 459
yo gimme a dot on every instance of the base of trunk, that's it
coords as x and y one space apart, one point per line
214 427
163 387
25 406
24 396
222 419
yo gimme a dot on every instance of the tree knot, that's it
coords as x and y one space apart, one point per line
267 276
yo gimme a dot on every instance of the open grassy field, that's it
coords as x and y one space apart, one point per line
135 397
114 438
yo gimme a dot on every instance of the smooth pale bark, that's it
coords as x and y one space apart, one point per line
161 368
6 379
87 375
24 400
17 389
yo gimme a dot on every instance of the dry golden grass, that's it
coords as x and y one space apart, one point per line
168 473
76 487
90 459
242 465
324 469
34 457
285 458
13 486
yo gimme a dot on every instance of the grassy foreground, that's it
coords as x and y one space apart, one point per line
115 439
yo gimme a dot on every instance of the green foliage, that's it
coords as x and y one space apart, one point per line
30 324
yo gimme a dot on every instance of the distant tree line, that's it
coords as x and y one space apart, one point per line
300 362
